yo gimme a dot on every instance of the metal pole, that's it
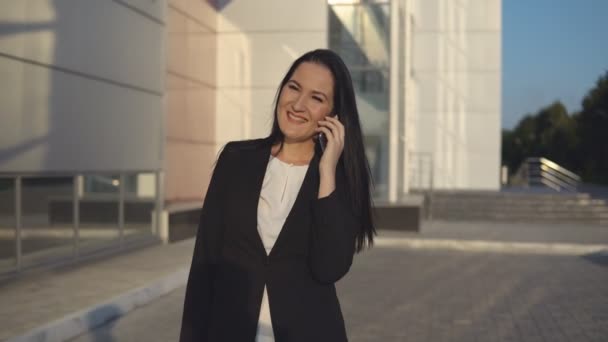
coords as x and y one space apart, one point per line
420 171
18 222
76 215
121 209
431 185
159 204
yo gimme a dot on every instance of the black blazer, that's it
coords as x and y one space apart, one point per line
230 268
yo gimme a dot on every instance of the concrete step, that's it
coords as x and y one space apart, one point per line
520 207
508 214
522 201
489 194
531 209
454 213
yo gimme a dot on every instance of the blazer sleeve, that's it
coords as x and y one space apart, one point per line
197 303
334 230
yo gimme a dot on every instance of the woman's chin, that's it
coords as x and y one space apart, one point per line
297 137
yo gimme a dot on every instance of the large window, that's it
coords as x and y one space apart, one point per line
359 32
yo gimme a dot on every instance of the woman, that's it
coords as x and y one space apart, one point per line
283 217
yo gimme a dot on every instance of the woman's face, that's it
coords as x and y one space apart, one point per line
305 99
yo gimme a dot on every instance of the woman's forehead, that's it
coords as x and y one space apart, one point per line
314 76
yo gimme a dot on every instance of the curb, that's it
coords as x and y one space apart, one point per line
88 319
493 246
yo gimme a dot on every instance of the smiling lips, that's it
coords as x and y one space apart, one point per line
295 118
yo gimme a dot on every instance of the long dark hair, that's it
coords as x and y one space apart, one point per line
353 159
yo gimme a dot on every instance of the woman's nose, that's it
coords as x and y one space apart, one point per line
299 104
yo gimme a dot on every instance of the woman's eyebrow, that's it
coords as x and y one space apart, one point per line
314 91
319 93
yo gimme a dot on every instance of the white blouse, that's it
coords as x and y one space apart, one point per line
280 188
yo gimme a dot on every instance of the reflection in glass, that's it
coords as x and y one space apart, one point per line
46 226
359 32
99 212
139 205
7 224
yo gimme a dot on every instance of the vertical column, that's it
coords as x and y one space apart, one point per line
393 146
406 141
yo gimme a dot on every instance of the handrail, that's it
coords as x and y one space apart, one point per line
546 162
544 172
70 173
421 178
17 178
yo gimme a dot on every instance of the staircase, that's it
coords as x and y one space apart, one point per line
518 207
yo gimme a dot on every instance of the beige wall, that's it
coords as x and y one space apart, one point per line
223 69
257 42
190 143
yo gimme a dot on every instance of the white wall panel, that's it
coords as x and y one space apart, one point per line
262 106
17 23
261 59
274 15
11 102
100 38
482 131
484 15
70 120
426 51
153 8
71 123
426 127
428 92
200 11
484 51
253 55
483 171
484 93
232 120
427 15
120 44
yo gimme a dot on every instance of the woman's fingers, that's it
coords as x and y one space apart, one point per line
328 133
335 126
338 124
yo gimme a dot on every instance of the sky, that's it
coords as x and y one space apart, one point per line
552 50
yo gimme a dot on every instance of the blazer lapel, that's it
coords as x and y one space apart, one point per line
258 162
308 191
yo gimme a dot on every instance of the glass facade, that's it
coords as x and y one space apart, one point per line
359 32
8 232
46 218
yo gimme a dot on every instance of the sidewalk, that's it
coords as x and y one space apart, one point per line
61 304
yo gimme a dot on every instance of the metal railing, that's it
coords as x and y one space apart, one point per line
13 186
545 173
421 178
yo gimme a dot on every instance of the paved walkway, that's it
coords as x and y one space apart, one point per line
75 297
398 291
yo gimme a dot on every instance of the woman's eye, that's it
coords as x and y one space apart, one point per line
291 86
318 99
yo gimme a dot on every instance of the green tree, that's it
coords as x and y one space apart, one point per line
578 142
593 132
550 133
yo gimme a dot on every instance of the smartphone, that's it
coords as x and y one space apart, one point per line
322 139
